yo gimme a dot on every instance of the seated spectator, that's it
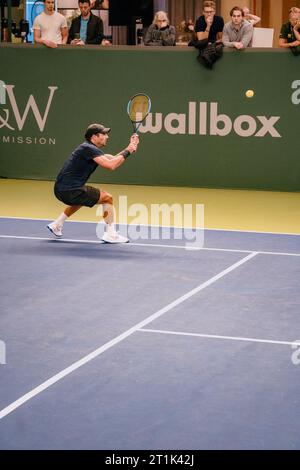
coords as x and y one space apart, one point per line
50 28
253 19
160 32
209 26
86 28
287 37
238 32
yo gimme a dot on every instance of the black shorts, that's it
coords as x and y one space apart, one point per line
85 196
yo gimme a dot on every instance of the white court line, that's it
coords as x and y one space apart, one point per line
151 245
28 396
231 338
161 226
52 239
214 249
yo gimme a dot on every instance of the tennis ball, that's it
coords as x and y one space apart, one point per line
249 93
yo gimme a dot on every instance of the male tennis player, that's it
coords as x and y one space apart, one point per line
70 187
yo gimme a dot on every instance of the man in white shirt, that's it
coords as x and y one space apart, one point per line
237 32
50 28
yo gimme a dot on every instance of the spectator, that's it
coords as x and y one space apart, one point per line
160 32
253 19
238 32
287 37
209 26
86 28
50 28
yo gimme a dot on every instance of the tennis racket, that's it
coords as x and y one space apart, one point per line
138 108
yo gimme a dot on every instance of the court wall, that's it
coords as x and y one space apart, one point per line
203 131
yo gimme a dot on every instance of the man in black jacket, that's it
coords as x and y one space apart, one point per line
86 28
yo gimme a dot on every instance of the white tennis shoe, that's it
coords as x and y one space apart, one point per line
55 230
114 237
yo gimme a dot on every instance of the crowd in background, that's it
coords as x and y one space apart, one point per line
50 28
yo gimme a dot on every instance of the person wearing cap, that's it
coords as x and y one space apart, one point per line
70 185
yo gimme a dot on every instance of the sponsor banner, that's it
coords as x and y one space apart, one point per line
204 129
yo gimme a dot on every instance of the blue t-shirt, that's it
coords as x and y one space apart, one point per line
78 167
83 29
216 27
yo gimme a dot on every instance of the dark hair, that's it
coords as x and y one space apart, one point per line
94 129
236 8
84 1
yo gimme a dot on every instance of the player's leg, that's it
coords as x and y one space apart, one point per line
110 235
70 210
56 226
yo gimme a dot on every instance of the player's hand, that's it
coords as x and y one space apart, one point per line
132 147
134 139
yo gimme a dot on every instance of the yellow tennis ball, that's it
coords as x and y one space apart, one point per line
249 93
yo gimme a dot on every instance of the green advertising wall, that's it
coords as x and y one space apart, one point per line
203 130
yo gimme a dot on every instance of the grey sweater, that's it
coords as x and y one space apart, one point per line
160 37
243 35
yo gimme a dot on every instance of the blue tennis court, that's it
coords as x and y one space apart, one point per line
148 345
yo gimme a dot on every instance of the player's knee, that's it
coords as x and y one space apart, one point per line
107 199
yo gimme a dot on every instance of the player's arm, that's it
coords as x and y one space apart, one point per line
133 139
112 162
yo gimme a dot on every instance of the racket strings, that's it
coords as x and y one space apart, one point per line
139 108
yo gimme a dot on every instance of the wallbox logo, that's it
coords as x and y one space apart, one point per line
204 119
296 94
7 96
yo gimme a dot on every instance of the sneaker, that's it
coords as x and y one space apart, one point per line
114 237
55 230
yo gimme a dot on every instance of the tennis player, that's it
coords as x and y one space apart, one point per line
70 185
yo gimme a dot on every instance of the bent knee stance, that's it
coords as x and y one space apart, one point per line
106 198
